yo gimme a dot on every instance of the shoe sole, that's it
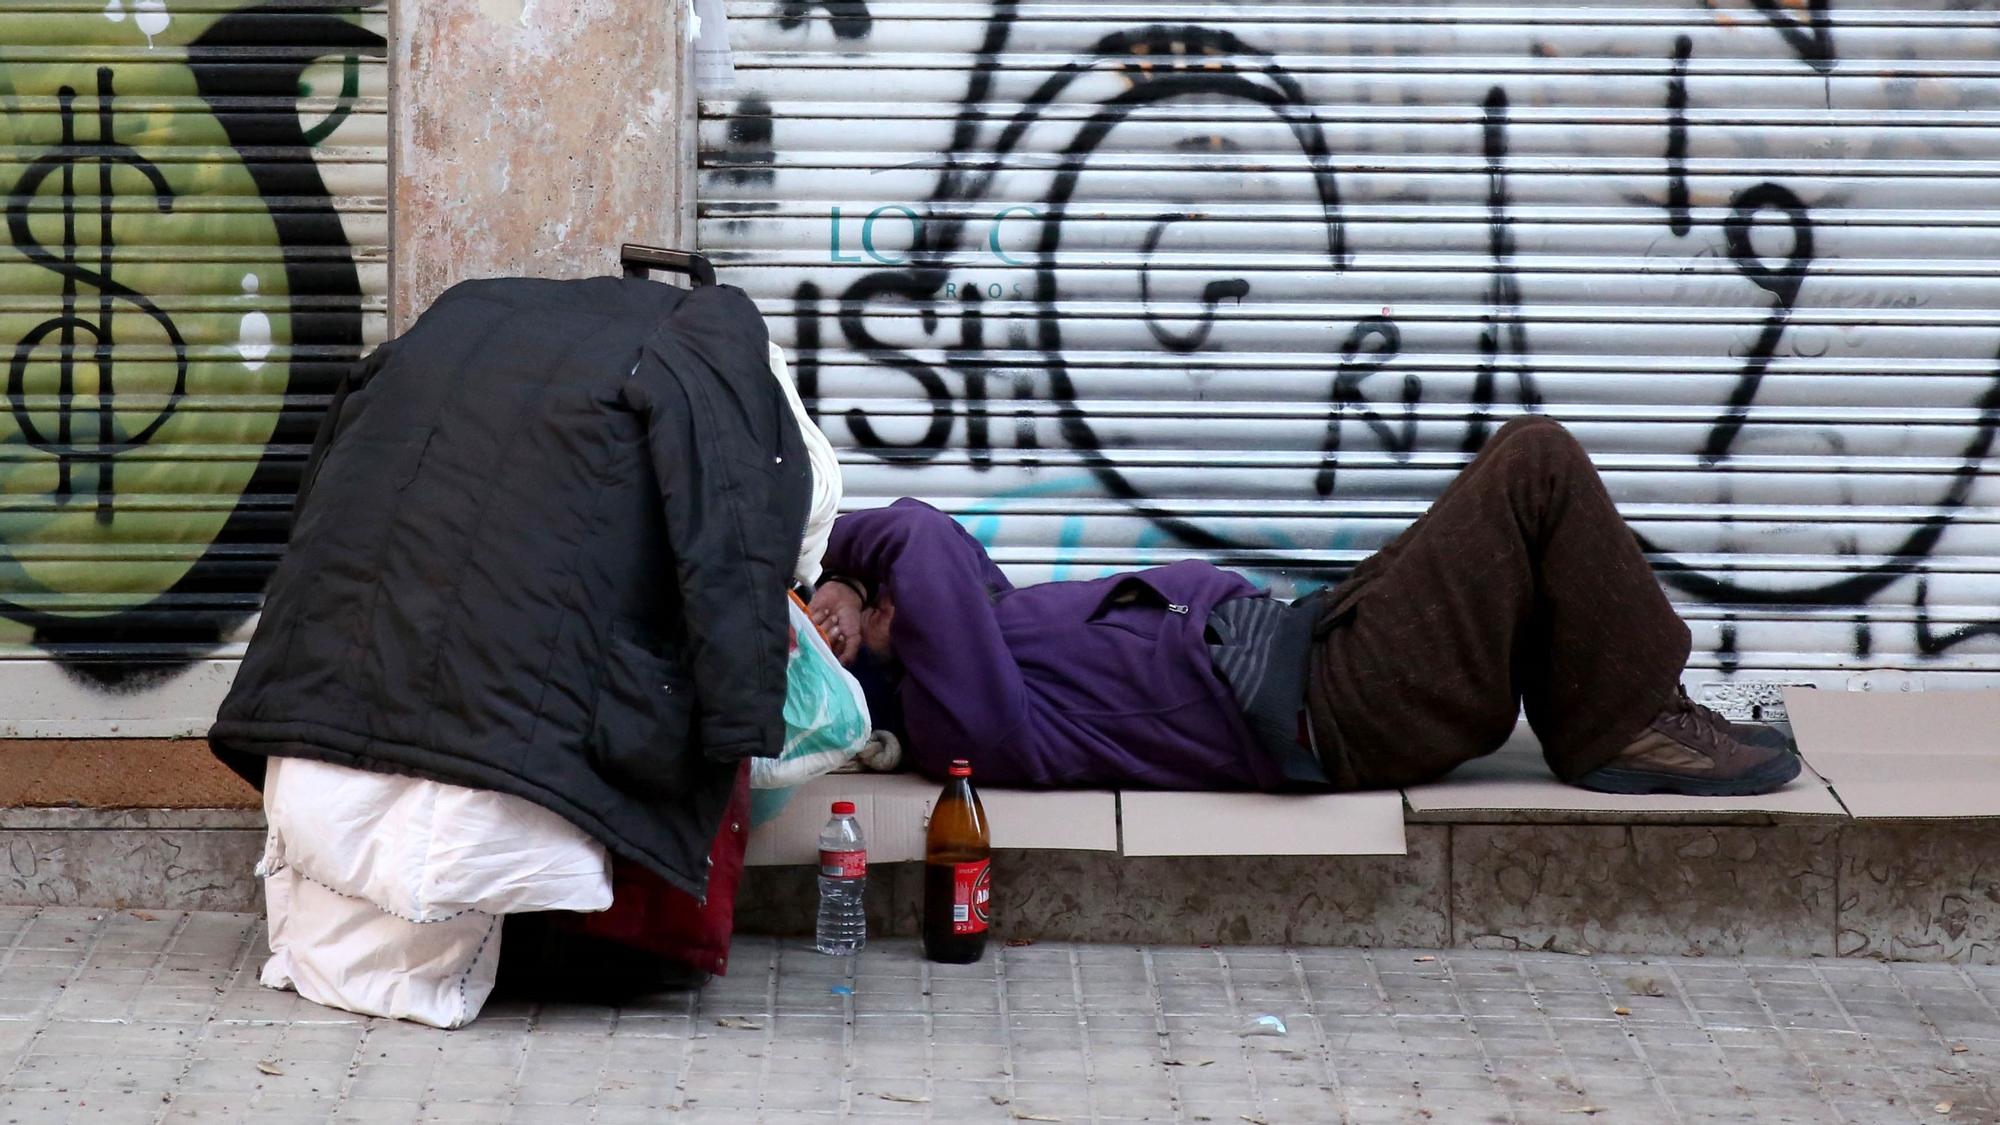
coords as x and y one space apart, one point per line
1774 774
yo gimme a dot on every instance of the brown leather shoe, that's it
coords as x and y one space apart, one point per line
1691 750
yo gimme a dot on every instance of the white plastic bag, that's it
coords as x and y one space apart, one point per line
384 892
346 953
424 850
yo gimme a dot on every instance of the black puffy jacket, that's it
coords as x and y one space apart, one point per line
542 548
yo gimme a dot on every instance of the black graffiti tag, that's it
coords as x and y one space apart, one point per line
1505 333
1782 282
1212 294
1903 560
853 324
968 359
1070 116
1930 641
1812 38
849 18
1356 365
66 443
1679 216
1164 64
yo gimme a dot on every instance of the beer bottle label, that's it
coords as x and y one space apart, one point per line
843 865
971 896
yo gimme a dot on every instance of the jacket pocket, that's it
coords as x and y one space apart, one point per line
1131 599
408 453
753 473
643 726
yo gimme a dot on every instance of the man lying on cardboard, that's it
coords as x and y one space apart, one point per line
1521 587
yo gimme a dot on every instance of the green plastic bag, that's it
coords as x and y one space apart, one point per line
826 720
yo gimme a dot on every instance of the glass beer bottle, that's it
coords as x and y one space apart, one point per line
958 873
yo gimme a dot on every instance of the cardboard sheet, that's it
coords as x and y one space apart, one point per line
1154 823
1903 754
893 809
1516 779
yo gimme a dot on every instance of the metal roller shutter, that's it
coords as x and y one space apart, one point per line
1118 283
197 240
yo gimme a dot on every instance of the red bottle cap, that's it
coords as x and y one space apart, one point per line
843 808
961 768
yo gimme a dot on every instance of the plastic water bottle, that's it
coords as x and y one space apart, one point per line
843 875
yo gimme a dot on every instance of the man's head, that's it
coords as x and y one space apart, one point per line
876 620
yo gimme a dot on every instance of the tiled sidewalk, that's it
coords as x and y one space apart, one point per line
135 1017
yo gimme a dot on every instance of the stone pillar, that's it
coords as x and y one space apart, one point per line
531 137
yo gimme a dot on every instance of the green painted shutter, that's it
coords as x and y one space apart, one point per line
196 247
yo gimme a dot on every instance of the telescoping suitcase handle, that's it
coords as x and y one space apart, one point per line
638 259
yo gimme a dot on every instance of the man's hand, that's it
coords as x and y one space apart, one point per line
836 610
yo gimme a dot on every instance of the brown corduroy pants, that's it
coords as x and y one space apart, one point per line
1521 586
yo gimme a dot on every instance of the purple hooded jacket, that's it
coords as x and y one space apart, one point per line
1065 684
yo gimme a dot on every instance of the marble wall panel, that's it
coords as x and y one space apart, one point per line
1645 889
785 900
159 869
532 138
1905 891
1101 897
1253 900
1921 891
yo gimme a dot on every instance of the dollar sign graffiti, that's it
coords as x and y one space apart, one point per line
67 444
